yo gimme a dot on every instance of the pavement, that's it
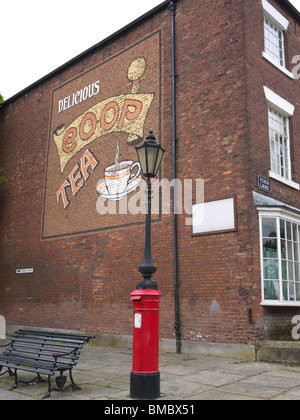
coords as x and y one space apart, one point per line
103 373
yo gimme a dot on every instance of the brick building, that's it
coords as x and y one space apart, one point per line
227 113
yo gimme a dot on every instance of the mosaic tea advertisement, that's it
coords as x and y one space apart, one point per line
96 120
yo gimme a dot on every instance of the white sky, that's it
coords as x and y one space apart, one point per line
37 37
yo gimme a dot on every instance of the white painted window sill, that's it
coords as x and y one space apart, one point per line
281 68
288 182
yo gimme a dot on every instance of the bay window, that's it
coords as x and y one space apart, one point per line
280 258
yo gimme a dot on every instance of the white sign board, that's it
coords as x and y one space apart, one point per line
24 270
215 216
138 321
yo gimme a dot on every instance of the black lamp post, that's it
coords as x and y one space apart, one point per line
150 155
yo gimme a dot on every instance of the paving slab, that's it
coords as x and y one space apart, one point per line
104 374
257 390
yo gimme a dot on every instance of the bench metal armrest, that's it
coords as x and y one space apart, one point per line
57 355
7 344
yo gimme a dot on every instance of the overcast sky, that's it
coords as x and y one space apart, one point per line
37 37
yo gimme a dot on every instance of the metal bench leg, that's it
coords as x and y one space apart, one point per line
49 389
40 379
7 371
74 386
15 386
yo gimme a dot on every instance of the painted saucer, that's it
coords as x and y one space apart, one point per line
102 190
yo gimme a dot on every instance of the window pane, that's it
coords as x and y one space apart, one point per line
283 249
269 228
295 233
271 290
282 229
284 270
297 272
285 291
296 252
292 291
289 230
290 250
291 271
270 248
271 269
298 292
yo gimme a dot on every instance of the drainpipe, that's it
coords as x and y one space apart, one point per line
172 8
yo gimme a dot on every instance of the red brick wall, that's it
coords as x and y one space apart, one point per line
259 73
84 281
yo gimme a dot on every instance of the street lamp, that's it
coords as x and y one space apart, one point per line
145 376
150 155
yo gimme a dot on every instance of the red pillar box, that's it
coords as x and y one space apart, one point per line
145 376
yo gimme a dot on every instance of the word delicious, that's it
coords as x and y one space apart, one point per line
78 97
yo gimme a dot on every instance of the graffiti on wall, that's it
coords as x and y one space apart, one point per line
96 119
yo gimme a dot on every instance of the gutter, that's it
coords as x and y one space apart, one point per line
172 8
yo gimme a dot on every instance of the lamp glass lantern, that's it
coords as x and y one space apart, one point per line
150 155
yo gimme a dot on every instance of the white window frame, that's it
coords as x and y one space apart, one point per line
278 214
281 24
286 109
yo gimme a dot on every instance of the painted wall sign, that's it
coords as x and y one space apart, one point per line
96 119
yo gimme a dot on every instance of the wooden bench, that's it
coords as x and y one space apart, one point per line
44 353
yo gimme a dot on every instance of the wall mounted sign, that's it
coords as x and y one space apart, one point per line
24 270
214 217
138 321
96 120
264 184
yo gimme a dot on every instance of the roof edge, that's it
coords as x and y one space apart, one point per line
290 8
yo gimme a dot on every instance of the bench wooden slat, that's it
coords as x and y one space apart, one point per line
50 350
54 344
80 337
68 361
40 370
44 353
50 339
49 365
